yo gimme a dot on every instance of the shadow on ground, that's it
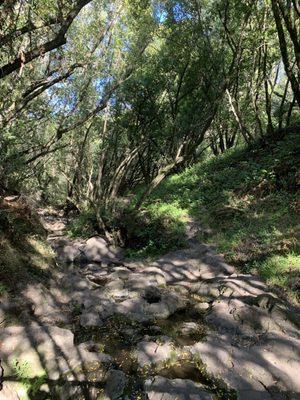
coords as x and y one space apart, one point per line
133 330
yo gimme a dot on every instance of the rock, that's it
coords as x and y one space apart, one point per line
189 328
134 309
12 391
140 310
67 250
95 269
201 307
169 304
120 294
251 366
47 349
153 353
2 315
161 388
92 346
120 273
284 316
139 282
116 284
97 250
115 384
70 390
90 319
130 332
101 305
99 280
156 330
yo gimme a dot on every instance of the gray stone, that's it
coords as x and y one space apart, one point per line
115 384
98 279
135 309
120 273
251 365
97 249
153 353
189 328
90 319
120 294
116 284
252 343
160 388
46 349
67 250
201 307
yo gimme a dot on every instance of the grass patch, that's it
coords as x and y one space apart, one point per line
282 271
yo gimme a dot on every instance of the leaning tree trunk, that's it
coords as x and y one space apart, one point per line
162 172
236 112
284 51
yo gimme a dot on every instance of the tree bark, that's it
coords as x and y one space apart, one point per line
284 51
162 172
236 112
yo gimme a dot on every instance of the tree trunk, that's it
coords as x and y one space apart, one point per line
162 172
236 112
284 52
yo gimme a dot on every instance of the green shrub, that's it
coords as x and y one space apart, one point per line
83 225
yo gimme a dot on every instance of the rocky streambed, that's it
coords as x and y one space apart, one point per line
186 326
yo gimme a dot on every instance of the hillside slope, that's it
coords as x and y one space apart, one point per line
25 256
248 204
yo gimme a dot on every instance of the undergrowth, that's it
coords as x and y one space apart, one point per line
247 201
154 230
25 255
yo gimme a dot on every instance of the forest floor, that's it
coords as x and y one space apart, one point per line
184 326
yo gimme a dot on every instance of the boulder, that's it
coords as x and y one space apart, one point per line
201 307
97 250
46 349
68 251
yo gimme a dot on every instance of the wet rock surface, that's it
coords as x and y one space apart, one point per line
187 326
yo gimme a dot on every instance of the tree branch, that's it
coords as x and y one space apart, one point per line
58 41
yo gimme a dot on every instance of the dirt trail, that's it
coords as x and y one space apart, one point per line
187 326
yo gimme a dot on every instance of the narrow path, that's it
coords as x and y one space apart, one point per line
186 326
